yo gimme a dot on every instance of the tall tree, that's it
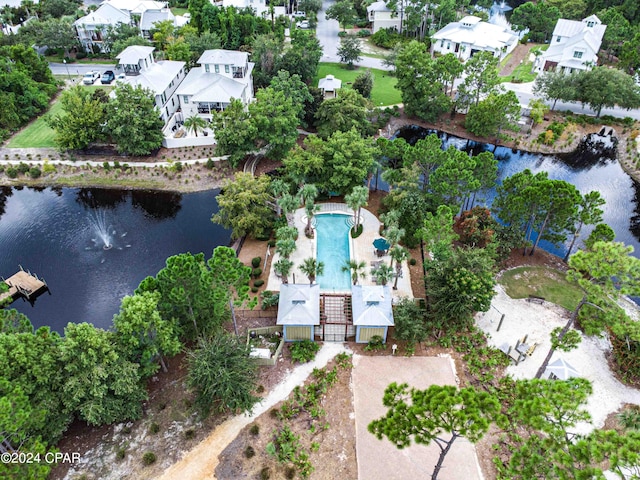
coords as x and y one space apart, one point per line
230 281
356 270
145 337
603 273
103 386
243 205
133 120
556 86
303 56
538 17
589 213
481 79
283 268
439 414
607 87
308 194
235 133
493 114
195 123
294 88
275 121
343 12
356 200
350 50
222 375
340 114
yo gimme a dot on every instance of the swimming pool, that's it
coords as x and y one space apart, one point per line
332 236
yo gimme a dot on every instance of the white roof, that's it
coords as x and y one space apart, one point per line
150 17
223 57
158 76
329 83
371 306
133 54
569 28
203 86
136 6
378 7
299 304
105 15
578 36
477 33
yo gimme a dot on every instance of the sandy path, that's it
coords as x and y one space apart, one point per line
201 462
589 359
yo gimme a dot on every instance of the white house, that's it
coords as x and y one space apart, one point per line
149 18
382 17
136 7
162 78
372 311
471 35
330 86
574 46
223 75
260 7
298 311
92 28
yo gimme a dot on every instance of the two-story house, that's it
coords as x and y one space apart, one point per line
149 18
382 17
471 35
574 46
162 77
92 28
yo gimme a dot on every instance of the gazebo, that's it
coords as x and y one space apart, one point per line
372 312
298 311
560 370
329 86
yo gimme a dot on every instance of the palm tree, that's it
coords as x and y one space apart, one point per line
278 188
195 123
356 269
311 268
356 200
399 254
287 233
283 268
285 247
383 274
308 194
288 203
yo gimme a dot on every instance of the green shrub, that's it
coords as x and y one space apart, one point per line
355 233
258 283
269 299
12 172
254 430
376 343
364 33
362 22
154 428
1 168
265 473
35 172
412 261
23 168
254 289
121 453
149 458
342 34
304 351
256 272
211 164
189 434
271 243
255 262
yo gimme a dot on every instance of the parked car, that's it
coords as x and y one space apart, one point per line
107 77
299 14
90 78
303 24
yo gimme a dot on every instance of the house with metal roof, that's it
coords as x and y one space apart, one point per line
574 46
298 311
162 78
372 311
149 18
330 86
382 17
92 28
471 35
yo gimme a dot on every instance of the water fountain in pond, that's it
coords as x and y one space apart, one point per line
106 235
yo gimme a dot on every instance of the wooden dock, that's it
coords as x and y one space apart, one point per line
23 284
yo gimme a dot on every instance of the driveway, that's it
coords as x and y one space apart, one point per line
380 459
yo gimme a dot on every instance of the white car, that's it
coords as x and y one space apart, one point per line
303 24
90 77
299 14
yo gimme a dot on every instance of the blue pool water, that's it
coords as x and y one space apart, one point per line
332 233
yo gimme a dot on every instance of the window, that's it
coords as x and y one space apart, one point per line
217 67
186 99
173 102
577 54
206 67
590 24
448 45
226 69
441 43
559 38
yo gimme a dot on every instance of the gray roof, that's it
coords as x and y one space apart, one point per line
299 304
371 306
569 28
223 57
329 83
150 17
479 34
158 76
378 7
205 86
133 54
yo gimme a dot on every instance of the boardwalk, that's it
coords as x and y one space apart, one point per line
23 284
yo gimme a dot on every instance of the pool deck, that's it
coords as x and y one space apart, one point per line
361 250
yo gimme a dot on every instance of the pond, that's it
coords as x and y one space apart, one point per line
587 168
94 246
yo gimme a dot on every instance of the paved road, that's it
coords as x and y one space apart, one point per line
74 69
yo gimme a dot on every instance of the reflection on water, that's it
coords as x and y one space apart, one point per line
61 235
585 168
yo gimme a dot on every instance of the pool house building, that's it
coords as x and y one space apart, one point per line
298 311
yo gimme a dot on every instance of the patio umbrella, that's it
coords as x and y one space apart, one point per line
560 370
381 244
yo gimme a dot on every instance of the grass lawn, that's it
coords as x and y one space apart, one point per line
543 282
522 73
178 10
38 134
384 91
